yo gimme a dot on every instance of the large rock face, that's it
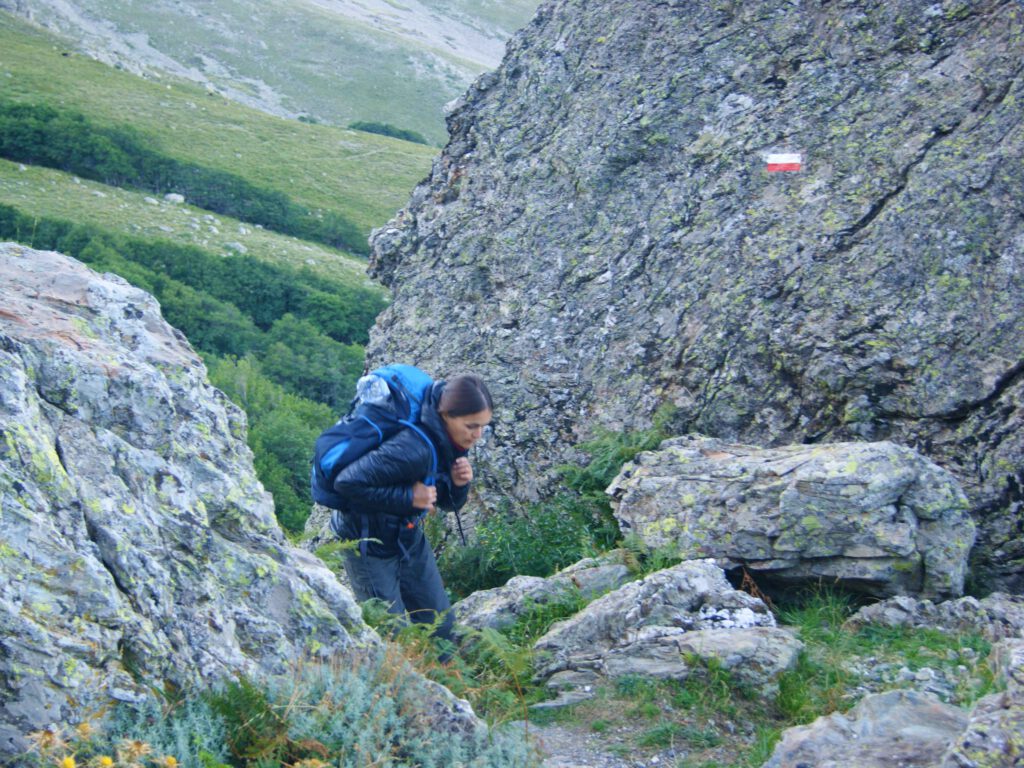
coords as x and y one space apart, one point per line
601 236
136 545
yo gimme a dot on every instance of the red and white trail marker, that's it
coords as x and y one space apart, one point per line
783 162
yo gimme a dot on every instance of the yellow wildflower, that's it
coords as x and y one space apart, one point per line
47 741
102 761
67 762
168 761
132 750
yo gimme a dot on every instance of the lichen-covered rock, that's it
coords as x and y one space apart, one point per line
601 237
502 606
896 728
877 517
994 737
996 616
137 547
656 626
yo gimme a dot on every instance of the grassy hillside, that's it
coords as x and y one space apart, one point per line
52 194
364 177
377 60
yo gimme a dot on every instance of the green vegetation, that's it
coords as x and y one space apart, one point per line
556 533
363 178
385 129
328 63
824 675
280 319
718 720
282 428
120 156
370 712
262 292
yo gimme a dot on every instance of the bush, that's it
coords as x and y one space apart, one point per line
282 428
547 538
237 290
374 711
386 129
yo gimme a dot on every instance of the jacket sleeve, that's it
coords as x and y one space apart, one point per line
382 480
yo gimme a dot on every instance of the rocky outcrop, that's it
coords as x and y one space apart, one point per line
137 547
904 728
601 237
909 728
996 616
875 517
501 607
665 626
994 736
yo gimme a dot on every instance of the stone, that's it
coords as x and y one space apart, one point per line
658 626
910 728
138 549
874 517
501 607
996 616
994 736
903 729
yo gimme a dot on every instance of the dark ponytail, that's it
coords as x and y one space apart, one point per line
465 394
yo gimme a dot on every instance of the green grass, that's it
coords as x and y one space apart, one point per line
716 721
365 177
54 194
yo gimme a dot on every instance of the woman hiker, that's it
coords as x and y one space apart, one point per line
387 501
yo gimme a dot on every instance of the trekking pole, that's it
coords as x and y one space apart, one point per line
458 523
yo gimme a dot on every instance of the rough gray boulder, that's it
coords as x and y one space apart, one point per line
656 626
996 616
502 606
137 547
874 516
896 728
994 736
601 237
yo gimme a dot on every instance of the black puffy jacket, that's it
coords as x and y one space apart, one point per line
380 483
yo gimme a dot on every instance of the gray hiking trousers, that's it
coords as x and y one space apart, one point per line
408 582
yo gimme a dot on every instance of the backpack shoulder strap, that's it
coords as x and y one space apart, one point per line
431 477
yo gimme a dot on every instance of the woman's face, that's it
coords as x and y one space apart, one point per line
465 431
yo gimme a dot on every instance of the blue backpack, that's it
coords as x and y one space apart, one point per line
387 401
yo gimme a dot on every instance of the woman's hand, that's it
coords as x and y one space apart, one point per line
423 496
462 472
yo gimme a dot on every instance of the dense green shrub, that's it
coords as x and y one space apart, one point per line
546 538
205 282
282 428
386 129
124 157
306 362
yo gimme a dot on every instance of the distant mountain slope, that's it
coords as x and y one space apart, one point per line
334 61
363 176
